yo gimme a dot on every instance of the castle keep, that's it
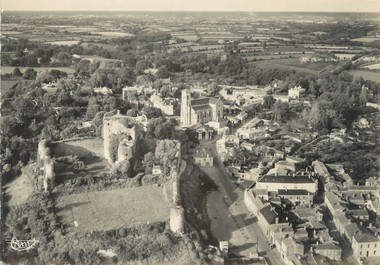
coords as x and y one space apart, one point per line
123 127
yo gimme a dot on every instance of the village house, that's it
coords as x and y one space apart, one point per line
330 250
365 245
204 158
296 196
252 202
308 213
225 147
295 93
166 105
128 92
103 90
156 170
289 248
287 182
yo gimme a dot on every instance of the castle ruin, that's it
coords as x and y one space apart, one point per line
124 127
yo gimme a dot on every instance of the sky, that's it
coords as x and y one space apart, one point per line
194 5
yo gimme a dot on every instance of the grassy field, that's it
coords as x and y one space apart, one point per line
9 69
20 189
104 210
366 39
368 75
291 64
63 42
113 34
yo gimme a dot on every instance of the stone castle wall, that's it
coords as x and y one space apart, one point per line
177 213
46 165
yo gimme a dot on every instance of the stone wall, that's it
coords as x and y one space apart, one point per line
46 164
177 214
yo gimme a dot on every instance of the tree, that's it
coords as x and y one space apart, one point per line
16 72
163 72
269 101
30 74
317 119
152 112
148 162
280 111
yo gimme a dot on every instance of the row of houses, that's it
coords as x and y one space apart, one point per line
354 209
292 240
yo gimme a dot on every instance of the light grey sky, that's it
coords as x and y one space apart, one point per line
194 5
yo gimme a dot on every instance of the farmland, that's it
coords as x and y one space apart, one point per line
368 75
366 39
105 210
113 34
64 42
292 64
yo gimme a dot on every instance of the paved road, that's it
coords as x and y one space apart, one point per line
347 256
231 220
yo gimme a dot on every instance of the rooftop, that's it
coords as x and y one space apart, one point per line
286 179
364 238
203 153
328 245
268 213
292 192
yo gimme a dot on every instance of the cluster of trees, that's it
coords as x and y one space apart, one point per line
163 156
36 219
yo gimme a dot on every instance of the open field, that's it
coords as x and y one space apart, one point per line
372 66
372 76
20 189
113 34
290 64
366 39
9 69
104 210
63 42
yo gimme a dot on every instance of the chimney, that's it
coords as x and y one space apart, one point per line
370 225
118 112
276 220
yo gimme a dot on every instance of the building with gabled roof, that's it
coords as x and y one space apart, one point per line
330 250
204 158
287 182
365 245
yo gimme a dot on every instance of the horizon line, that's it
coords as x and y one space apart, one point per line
218 11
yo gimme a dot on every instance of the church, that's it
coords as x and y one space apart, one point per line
201 110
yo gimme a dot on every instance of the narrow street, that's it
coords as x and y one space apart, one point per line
230 219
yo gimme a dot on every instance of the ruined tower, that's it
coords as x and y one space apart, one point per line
177 220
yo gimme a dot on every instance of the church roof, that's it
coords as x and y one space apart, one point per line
201 107
200 101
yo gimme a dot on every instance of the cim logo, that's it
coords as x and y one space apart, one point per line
23 245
